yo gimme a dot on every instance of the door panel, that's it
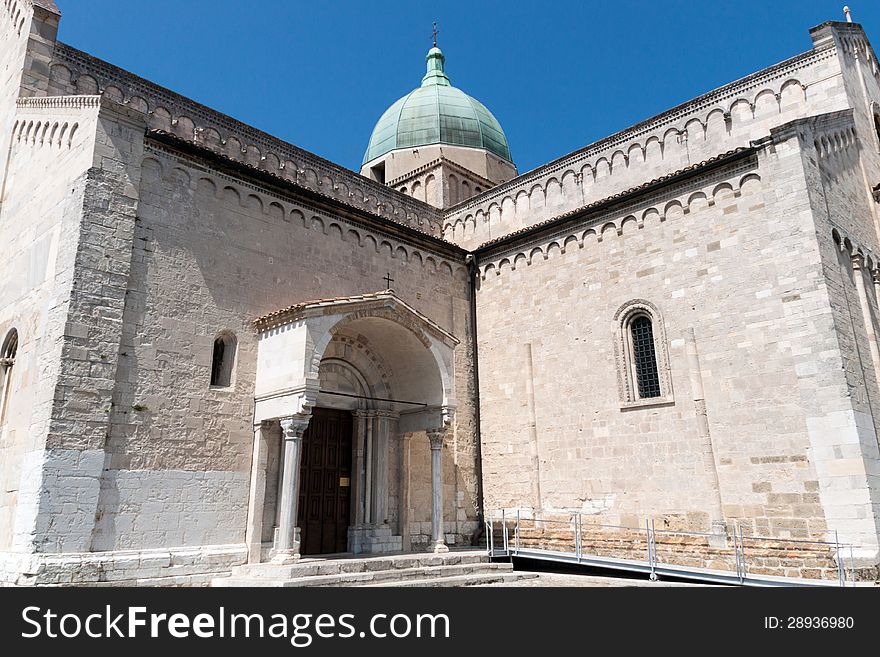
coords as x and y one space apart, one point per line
325 475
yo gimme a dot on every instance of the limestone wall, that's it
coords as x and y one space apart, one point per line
844 442
52 144
212 252
722 120
731 255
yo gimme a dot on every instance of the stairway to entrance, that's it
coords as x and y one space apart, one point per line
455 568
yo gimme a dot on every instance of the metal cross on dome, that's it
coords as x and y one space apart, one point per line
436 32
388 281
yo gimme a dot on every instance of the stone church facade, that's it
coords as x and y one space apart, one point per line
218 348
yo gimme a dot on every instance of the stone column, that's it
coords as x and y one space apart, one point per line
368 477
438 542
287 544
257 495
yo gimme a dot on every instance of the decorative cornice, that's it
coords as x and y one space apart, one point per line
347 305
561 221
56 102
847 244
218 163
647 126
205 117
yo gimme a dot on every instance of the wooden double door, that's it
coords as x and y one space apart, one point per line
325 483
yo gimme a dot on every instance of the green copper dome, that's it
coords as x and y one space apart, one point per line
437 113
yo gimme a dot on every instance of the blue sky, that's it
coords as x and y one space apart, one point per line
557 75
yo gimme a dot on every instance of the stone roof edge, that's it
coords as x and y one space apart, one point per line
48 5
549 225
63 49
622 136
292 313
448 249
433 164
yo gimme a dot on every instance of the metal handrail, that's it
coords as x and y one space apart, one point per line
649 533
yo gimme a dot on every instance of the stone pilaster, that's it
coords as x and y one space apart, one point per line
386 427
858 265
257 494
716 512
359 474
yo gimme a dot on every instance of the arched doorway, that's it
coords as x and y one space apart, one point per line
354 375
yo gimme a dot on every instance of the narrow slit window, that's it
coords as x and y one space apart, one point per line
877 125
223 360
645 358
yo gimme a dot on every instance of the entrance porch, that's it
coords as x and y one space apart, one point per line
344 389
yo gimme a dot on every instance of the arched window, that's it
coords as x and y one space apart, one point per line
642 356
7 360
223 359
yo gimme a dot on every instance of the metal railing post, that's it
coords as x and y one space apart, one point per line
516 534
504 532
742 548
649 539
577 542
653 552
852 564
490 536
841 568
736 550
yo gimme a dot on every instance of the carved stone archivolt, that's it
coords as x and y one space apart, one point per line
626 380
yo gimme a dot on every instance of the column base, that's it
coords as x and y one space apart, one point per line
438 547
285 556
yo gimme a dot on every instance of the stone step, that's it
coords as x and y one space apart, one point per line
310 567
398 575
474 579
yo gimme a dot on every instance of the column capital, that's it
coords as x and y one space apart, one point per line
858 261
436 436
262 424
292 428
875 275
